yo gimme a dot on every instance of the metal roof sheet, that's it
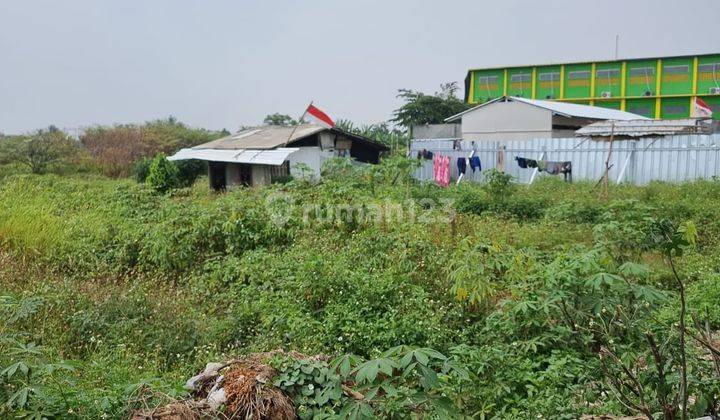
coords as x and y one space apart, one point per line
268 137
561 108
647 127
261 157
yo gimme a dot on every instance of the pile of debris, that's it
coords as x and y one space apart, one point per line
236 389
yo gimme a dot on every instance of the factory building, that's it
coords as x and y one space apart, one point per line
654 87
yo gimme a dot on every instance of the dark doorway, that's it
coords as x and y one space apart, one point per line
217 176
245 175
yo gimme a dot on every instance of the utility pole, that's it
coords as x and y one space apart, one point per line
617 45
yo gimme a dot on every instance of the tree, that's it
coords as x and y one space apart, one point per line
39 150
279 119
420 108
163 175
381 132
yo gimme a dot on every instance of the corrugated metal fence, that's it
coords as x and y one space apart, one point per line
671 158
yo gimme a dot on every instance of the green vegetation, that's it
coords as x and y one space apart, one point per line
495 300
420 108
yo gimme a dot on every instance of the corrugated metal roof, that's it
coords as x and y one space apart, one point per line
268 137
641 128
261 157
561 108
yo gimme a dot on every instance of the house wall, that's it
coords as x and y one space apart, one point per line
261 175
232 175
313 157
507 120
436 131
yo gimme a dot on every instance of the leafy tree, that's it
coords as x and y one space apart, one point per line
420 108
163 175
39 150
382 133
279 119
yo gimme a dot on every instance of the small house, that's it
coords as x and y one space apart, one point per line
514 118
259 156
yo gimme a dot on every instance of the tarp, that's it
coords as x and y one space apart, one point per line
260 157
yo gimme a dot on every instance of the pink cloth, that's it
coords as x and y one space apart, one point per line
441 170
446 171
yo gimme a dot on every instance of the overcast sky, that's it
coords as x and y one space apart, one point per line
223 63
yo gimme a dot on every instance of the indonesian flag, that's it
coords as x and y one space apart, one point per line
319 117
701 109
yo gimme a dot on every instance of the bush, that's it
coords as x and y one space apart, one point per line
190 170
163 174
141 169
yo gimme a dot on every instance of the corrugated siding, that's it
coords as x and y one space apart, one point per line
671 158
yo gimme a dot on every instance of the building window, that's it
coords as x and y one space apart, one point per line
520 78
676 69
675 109
607 73
641 110
709 68
549 77
642 71
488 80
579 75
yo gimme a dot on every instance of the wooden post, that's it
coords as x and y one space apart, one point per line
607 160
298 123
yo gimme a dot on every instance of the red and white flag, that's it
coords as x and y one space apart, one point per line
319 117
701 109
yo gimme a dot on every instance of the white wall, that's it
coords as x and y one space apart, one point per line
313 157
507 120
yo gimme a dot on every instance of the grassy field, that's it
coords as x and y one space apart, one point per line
513 293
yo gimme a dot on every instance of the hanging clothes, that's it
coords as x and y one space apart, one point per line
461 165
475 163
532 163
446 171
541 165
429 155
436 169
566 170
553 168
522 162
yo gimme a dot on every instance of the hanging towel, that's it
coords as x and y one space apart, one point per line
462 165
522 162
436 169
475 163
532 163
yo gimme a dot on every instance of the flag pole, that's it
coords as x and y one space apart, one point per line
298 123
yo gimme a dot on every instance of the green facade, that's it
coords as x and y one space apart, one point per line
656 87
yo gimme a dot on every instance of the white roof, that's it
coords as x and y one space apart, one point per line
562 108
641 128
261 157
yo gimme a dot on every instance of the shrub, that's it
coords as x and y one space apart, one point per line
190 170
141 169
163 174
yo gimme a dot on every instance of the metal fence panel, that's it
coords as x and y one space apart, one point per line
671 158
